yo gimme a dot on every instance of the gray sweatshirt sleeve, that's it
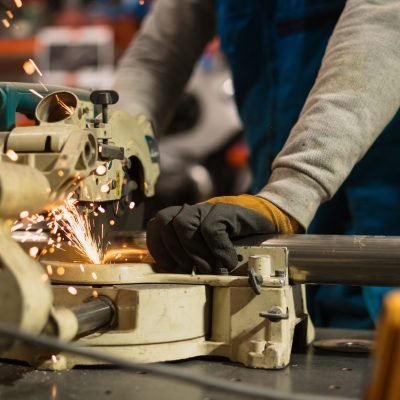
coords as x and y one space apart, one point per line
159 61
356 94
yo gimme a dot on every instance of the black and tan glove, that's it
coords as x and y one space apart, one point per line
200 236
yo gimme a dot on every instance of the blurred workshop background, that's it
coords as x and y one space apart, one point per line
78 43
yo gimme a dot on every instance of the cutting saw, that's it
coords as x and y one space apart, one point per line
101 156
252 316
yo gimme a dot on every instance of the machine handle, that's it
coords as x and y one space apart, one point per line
104 98
17 97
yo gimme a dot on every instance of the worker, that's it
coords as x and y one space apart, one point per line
317 85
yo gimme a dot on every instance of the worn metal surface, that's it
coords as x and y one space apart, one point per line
315 372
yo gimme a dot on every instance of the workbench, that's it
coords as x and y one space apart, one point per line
318 372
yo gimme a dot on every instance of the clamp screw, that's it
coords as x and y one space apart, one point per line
275 314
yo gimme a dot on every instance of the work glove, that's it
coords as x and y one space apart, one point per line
199 237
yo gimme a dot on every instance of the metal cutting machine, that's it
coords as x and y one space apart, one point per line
119 305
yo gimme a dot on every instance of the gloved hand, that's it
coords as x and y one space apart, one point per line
182 237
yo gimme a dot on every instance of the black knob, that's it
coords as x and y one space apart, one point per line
104 98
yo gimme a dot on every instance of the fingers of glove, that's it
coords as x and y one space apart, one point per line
164 261
226 222
187 228
164 245
224 253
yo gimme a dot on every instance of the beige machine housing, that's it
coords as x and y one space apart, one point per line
164 317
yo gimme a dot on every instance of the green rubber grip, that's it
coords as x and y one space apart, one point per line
16 97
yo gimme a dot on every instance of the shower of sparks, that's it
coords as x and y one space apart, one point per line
10 15
77 229
43 86
6 22
17 225
23 214
72 290
28 68
53 392
33 252
18 3
36 93
69 110
36 68
12 155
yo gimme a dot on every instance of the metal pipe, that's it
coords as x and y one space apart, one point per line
334 259
94 314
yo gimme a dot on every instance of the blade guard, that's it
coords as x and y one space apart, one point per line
17 97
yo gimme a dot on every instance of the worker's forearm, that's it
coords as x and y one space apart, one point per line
159 61
356 94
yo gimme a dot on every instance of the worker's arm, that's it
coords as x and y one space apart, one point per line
159 61
355 96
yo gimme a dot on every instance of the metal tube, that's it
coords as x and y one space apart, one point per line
334 259
94 314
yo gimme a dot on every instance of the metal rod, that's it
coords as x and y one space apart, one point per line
94 314
334 259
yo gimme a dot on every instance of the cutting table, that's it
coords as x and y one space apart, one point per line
318 372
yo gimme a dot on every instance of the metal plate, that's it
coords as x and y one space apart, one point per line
345 345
